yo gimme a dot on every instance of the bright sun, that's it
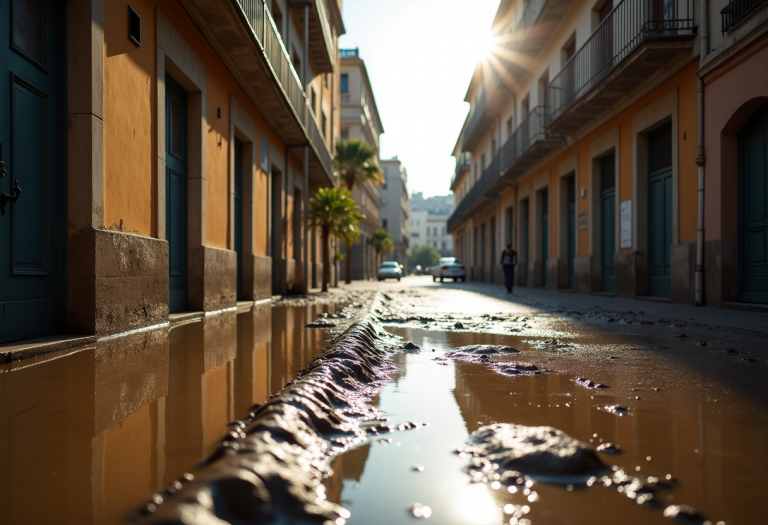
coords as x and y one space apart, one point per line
486 45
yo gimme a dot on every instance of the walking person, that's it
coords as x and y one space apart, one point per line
508 263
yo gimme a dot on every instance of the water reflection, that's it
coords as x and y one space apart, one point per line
714 447
92 434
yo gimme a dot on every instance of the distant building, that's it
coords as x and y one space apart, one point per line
359 119
437 205
431 229
394 208
428 223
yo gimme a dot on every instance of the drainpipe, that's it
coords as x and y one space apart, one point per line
305 79
701 160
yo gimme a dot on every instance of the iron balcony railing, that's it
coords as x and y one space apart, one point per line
531 129
476 192
480 104
268 37
349 53
325 28
462 161
626 26
738 10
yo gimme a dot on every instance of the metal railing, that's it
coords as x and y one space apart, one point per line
531 129
490 175
626 26
738 10
263 26
317 138
475 118
349 53
325 28
462 161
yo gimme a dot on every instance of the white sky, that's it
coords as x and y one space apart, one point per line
420 56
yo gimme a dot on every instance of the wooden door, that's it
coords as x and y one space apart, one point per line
659 211
608 222
31 228
544 235
239 215
571 229
525 240
753 209
176 191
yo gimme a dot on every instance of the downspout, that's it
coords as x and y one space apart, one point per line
305 79
701 160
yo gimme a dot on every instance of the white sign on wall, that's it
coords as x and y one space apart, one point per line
626 224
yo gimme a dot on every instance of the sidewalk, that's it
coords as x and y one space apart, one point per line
743 320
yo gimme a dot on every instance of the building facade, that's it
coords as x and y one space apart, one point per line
580 148
164 152
428 222
359 119
394 209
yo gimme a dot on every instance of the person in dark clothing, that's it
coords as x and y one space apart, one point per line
508 263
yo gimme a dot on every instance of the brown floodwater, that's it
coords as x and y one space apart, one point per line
682 420
87 437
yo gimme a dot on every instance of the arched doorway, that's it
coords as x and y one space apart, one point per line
753 208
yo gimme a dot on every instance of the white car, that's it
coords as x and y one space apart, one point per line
389 270
449 268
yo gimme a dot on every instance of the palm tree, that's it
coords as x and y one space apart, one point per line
381 242
355 162
333 211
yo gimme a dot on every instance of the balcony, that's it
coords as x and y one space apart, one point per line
320 39
245 37
738 10
349 53
476 198
545 14
637 39
462 166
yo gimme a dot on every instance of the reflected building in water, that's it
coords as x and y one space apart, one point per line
100 430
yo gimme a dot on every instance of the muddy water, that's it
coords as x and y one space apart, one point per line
683 420
87 437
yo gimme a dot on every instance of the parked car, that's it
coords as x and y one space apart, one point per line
389 270
449 268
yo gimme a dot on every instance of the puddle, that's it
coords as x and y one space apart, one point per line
681 422
87 437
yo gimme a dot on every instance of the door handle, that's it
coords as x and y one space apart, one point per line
6 198
3 173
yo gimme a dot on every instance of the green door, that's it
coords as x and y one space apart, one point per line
544 235
176 191
571 230
753 209
608 222
659 211
525 245
239 215
31 238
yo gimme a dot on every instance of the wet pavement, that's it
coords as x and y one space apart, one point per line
684 404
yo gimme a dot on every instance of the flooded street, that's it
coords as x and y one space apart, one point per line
98 431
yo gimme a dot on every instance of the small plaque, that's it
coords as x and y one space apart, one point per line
582 221
626 224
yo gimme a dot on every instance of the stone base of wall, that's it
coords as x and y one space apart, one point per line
683 269
557 274
117 282
631 274
721 271
535 274
212 280
257 277
220 339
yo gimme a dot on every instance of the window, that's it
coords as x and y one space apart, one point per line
543 82
384 223
344 84
482 162
510 127
313 100
493 146
443 245
525 106
344 135
296 61
443 230
434 231
324 123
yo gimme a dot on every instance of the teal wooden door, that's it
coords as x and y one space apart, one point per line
571 230
544 235
608 222
659 211
31 228
525 245
753 209
239 215
176 192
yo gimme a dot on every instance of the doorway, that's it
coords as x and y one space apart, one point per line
608 222
239 215
33 176
570 227
753 208
524 240
176 191
659 210
544 236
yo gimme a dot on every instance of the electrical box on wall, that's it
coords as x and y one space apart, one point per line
134 26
